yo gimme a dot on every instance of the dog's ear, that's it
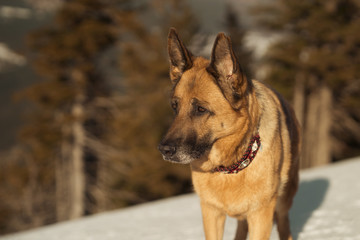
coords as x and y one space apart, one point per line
180 58
226 69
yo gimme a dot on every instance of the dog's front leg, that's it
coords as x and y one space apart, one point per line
213 220
261 221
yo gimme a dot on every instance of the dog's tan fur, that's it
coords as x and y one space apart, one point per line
235 108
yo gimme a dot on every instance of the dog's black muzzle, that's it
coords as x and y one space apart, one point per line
167 150
174 151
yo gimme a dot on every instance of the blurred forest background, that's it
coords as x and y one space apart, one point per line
84 88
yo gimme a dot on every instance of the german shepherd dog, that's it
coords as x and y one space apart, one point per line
240 138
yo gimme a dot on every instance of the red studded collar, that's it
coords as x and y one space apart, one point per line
245 160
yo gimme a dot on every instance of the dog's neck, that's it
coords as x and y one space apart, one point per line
248 143
226 160
245 160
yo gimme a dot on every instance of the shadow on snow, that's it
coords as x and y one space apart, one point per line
308 198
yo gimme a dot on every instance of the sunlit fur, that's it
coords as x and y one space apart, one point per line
267 186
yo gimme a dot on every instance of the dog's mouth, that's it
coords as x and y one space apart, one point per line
186 153
180 158
183 157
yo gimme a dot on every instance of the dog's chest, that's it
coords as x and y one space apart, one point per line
230 193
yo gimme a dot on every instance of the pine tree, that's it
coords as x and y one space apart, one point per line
316 60
66 117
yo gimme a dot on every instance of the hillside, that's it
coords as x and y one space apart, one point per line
327 206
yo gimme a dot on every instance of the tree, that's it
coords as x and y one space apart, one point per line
316 59
67 117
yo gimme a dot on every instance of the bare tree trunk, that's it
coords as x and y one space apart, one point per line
310 130
317 142
323 152
78 170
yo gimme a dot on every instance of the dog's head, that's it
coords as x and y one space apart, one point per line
208 99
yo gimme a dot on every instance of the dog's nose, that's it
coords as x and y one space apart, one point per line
167 150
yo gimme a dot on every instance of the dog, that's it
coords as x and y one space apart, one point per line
240 137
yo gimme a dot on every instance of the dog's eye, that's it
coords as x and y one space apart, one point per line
201 109
174 106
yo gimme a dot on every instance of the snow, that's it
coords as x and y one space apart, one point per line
327 206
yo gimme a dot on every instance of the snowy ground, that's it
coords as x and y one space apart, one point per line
327 206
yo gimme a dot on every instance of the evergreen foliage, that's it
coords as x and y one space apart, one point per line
319 48
64 116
